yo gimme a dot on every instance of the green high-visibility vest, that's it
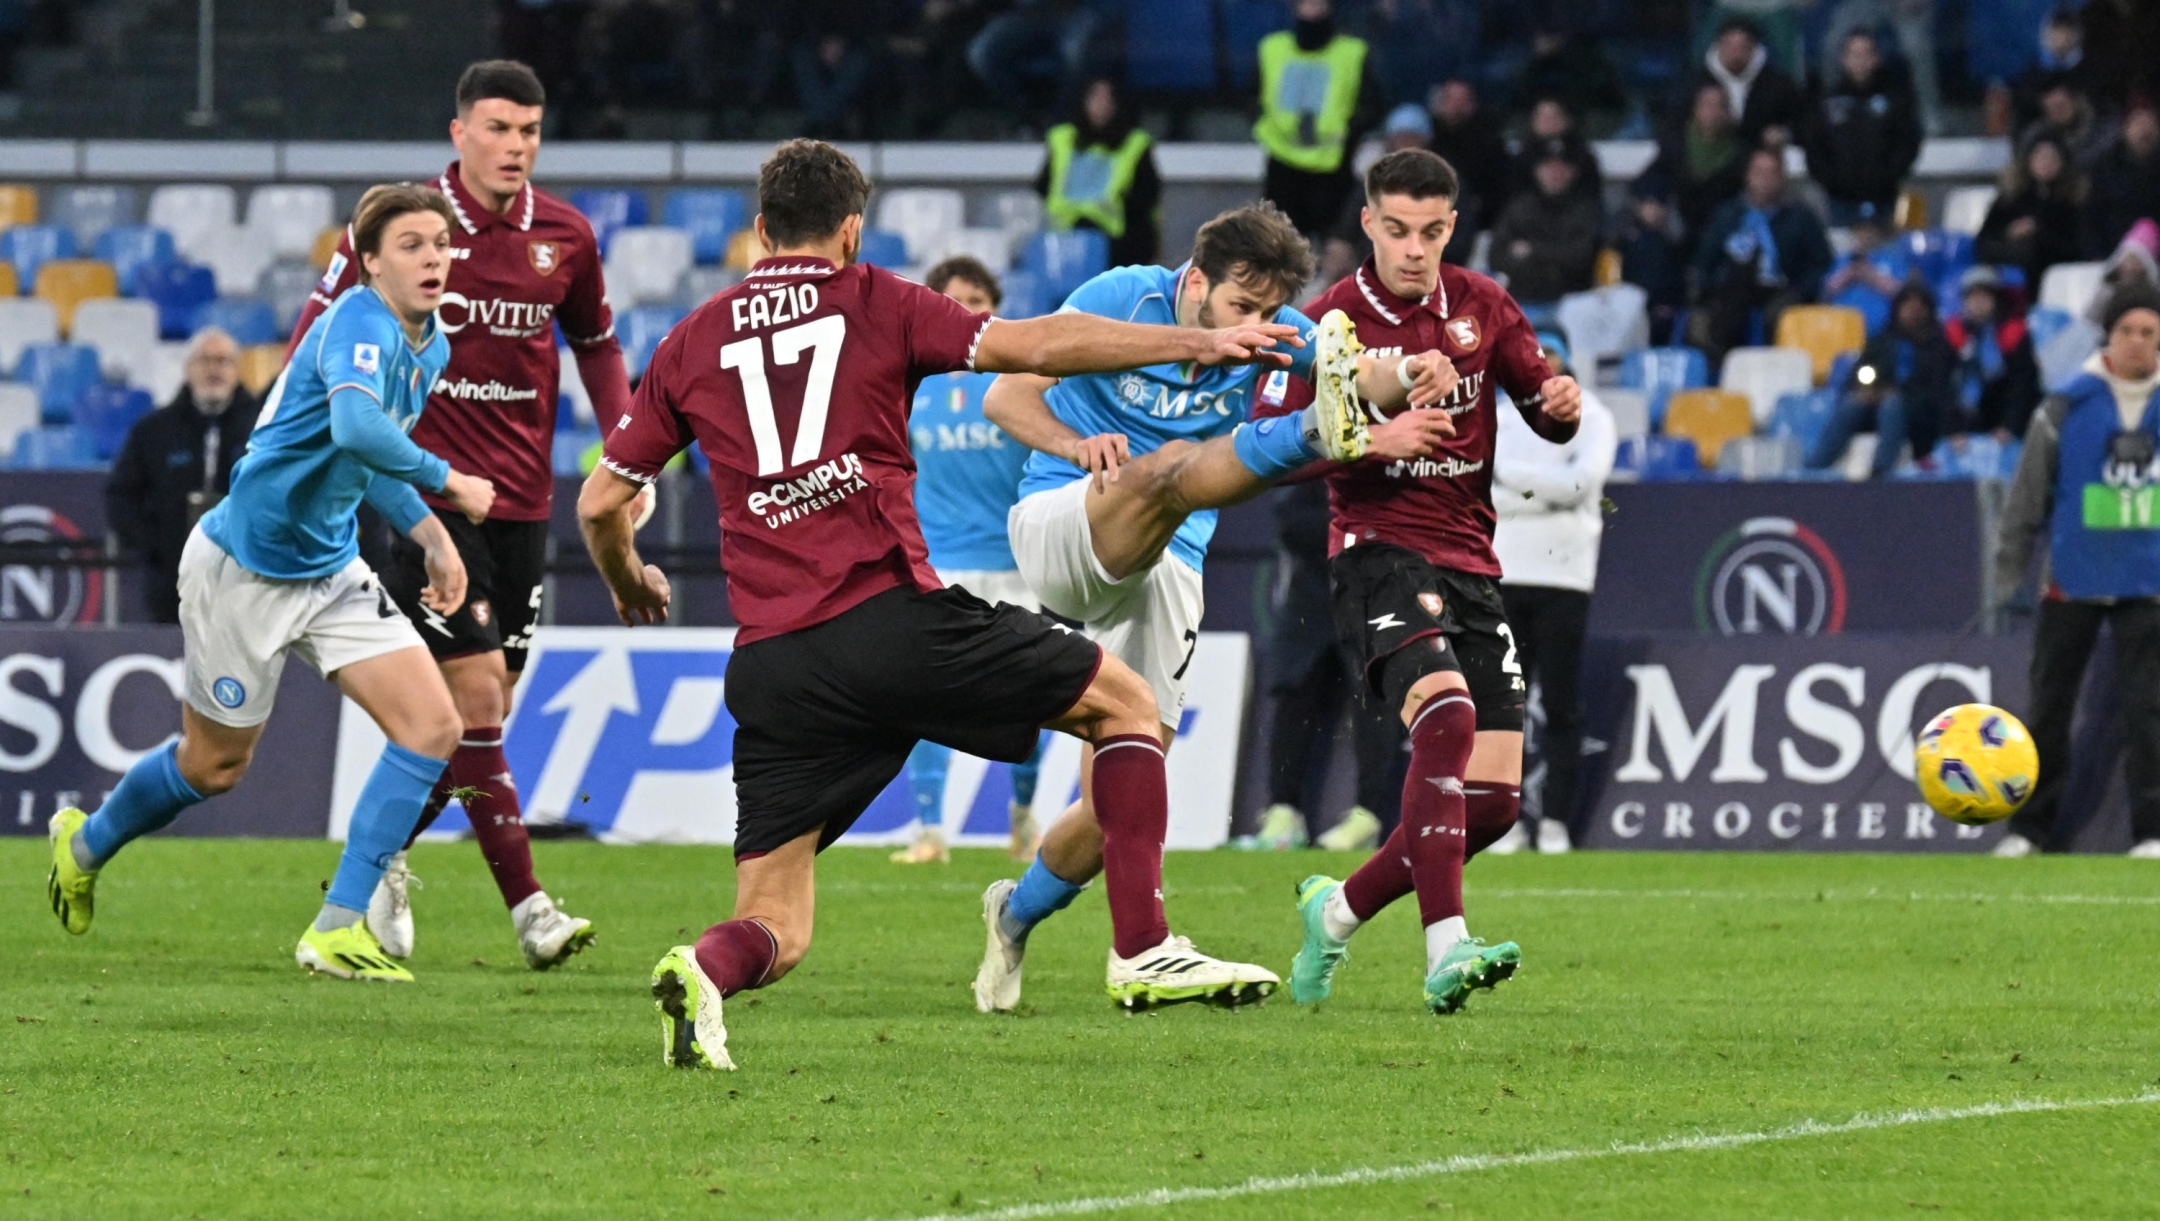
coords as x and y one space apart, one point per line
1089 184
1306 100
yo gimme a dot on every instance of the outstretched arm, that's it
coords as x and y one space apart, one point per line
1016 403
1066 344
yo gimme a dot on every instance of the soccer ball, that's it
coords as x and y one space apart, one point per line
1975 763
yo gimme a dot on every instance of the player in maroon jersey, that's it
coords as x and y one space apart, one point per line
524 261
1413 574
796 384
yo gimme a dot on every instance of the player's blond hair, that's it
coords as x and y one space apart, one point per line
385 203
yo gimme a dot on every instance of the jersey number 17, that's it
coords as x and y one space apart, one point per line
822 339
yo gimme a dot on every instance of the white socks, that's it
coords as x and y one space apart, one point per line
1336 916
1440 938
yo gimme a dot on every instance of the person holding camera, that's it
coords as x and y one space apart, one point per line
1905 388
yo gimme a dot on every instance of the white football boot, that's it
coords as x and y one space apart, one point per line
1552 837
1026 834
548 936
389 909
2014 844
2145 850
1174 971
997 982
1515 840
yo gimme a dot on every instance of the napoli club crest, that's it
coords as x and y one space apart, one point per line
545 256
1464 332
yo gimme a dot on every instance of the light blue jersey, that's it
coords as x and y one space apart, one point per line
332 432
967 474
1159 403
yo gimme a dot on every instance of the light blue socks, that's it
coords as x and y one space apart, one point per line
150 796
388 809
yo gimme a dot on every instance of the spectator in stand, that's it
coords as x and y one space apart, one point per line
177 462
1703 159
1571 67
1469 138
929 59
2133 262
1030 30
2125 181
640 46
2068 117
1904 388
1860 280
1767 100
1761 252
1407 126
1998 380
2038 217
1862 135
1317 99
1551 124
1546 244
1913 23
2061 60
1099 173
831 59
1653 256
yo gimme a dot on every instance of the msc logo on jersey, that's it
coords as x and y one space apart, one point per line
545 257
366 357
1464 332
1131 387
1770 574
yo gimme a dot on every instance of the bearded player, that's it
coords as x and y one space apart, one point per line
1413 572
522 262
796 385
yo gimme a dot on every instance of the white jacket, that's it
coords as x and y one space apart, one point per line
1547 498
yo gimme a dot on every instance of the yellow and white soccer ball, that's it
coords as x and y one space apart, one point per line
1975 763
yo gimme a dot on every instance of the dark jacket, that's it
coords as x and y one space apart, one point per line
162 460
1998 379
1697 195
2124 191
1657 264
2057 236
1522 168
1775 99
1862 140
1479 154
1803 248
1563 236
1923 370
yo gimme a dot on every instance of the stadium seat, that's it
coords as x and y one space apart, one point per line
1657 372
1630 410
67 283
178 289
2061 343
1709 418
59 372
640 330
986 246
124 332
709 216
1609 270
105 412
609 210
286 286
130 248
1823 332
237 257
700 284
29 247
1023 295
260 365
25 321
883 248
1803 415
8 282
1244 24
1762 374
744 250
1170 45
55 447
2066 286
19 413
1604 322
18 206
326 244
1018 213
188 211
88 212
644 262
1756 458
166 372
1937 253
1065 261
249 322
1965 209
573 406
1910 211
288 217
1655 457
922 216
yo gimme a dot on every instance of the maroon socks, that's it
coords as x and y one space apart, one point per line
1490 808
1132 805
1380 880
737 955
492 808
1433 818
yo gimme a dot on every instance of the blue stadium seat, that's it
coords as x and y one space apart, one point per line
60 373
1170 45
249 321
1023 296
55 447
569 450
1062 262
609 210
710 216
883 248
1658 457
1803 414
640 330
2045 323
1657 372
130 248
31 246
178 289
1244 24
105 412
1936 253
1841 368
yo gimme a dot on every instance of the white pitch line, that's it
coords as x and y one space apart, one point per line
1314 1180
1570 892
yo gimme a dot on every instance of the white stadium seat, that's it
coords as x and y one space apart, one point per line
644 262
1630 410
1765 374
1965 209
123 330
236 256
190 211
19 413
168 369
91 210
700 284
988 246
923 216
24 321
286 286
2070 287
290 217
1019 214
1603 322
570 390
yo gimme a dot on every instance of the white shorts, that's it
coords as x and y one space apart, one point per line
238 626
993 585
1150 620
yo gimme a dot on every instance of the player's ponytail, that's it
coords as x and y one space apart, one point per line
385 203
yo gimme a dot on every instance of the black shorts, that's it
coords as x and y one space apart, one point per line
1389 599
505 562
825 717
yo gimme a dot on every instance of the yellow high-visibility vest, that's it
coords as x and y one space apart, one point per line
1307 99
1089 184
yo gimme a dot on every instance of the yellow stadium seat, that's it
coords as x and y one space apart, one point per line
1824 332
68 283
325 246
1709 418
10 286
1912 210
18 206
260 365
744 249
1608 267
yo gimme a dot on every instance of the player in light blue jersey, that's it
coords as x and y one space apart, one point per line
275 569
1131 466
967 478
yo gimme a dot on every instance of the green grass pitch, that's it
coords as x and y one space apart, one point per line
174 1063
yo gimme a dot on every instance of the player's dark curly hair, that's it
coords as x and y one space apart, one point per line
1256 243
385 203
962 267
805 189
499 78
1416 172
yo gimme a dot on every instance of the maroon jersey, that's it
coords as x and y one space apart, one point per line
512 277
1439 506
796 384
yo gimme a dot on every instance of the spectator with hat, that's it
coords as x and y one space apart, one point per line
1904 388
1998 379
1863 134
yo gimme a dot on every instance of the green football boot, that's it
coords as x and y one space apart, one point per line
349 953
1312 972
691 1033
70 887
1470 964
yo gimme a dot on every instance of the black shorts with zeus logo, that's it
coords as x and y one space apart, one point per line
505 562
1404 617
825 716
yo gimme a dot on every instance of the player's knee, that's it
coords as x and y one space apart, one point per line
1426 687
1123 701
211 767
433 732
